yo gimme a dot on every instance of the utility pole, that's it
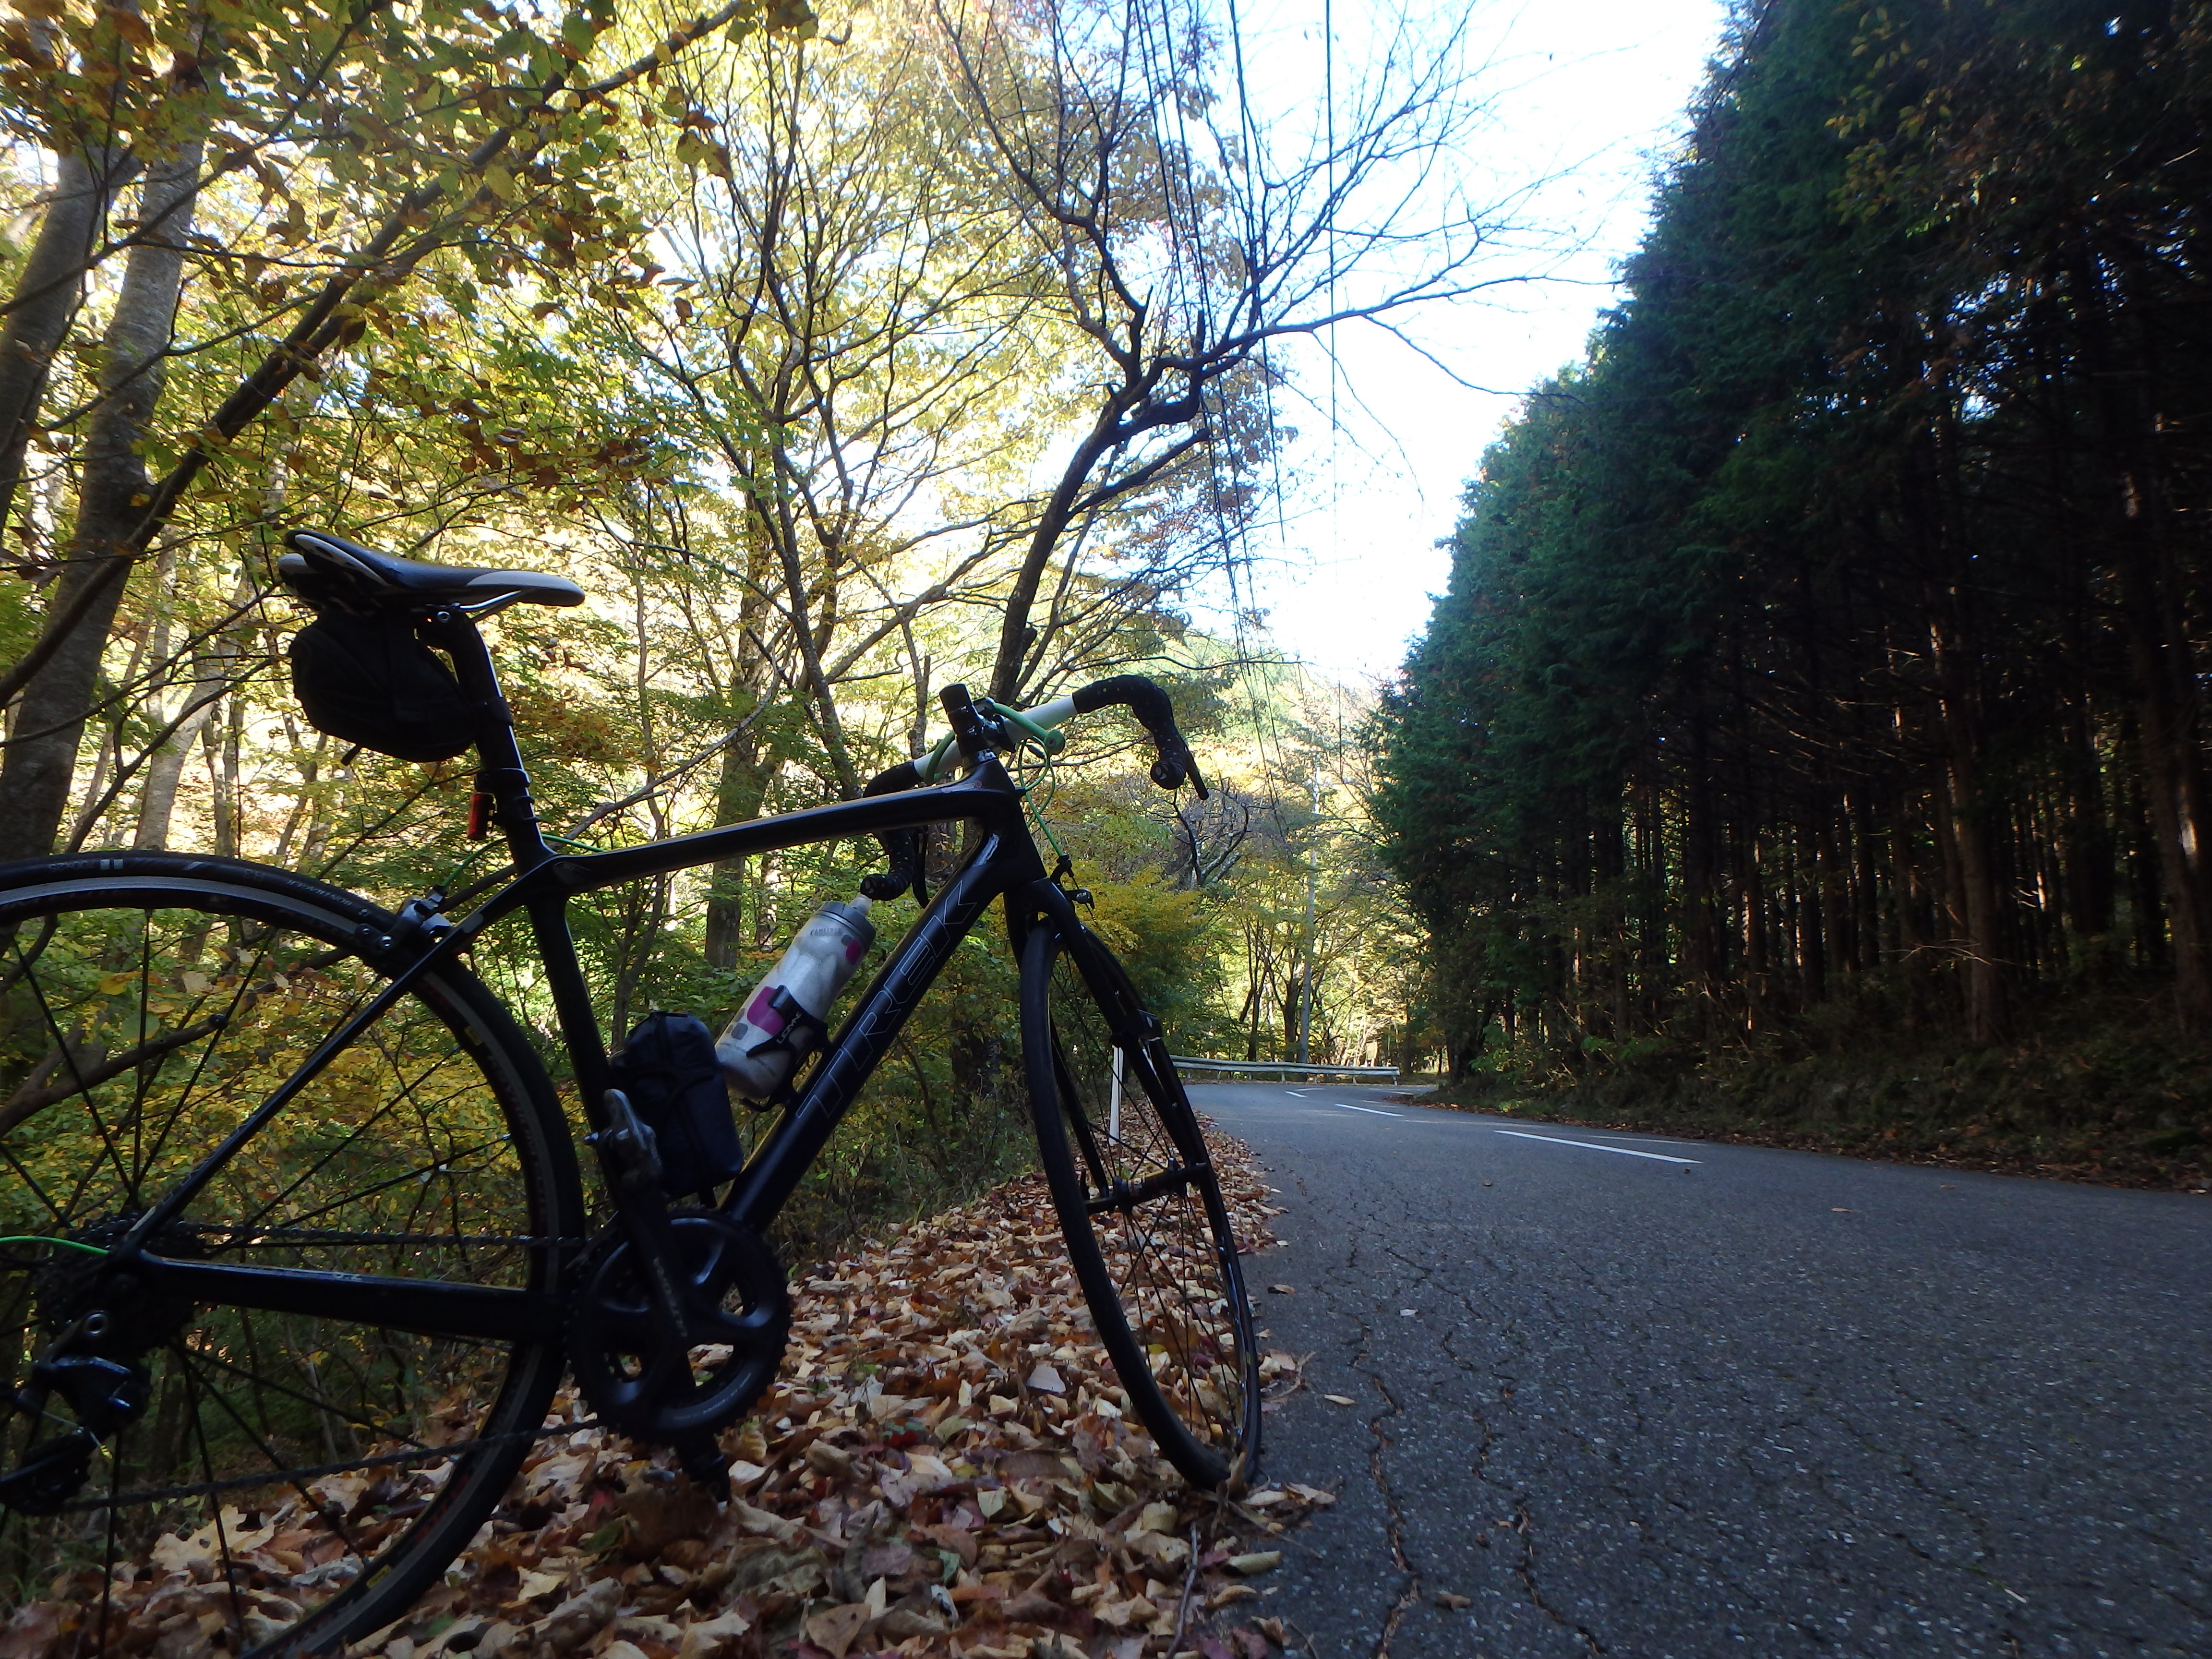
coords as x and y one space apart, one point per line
1313 870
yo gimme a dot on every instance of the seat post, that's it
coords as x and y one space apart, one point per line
500 774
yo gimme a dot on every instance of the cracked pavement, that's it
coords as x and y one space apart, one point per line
1763 1403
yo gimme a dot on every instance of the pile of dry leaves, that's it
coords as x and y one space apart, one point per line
945 1467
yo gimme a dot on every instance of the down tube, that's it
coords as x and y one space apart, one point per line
798 1136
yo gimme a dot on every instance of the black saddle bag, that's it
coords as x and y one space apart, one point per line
674 1082
370 680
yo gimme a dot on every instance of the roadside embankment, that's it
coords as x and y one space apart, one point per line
2123 1107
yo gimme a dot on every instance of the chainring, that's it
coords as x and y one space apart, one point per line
635 1372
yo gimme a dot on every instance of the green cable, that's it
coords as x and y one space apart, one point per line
66 1244
1050 739
1036 810
927 767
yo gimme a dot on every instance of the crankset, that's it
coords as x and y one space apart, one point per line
653 1383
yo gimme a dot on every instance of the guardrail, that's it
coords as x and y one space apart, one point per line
1280 1067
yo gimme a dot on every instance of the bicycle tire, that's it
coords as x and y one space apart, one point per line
1140 1206
311 1475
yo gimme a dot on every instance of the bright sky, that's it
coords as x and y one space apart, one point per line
1591 93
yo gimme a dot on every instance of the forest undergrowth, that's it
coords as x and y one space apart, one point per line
2097 1086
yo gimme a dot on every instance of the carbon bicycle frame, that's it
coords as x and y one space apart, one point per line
1005 862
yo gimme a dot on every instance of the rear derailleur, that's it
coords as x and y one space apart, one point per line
102 1322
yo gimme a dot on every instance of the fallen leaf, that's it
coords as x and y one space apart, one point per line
1155 1517
709 1636
904 1624
34 1632
1453 1600
952 1489
1258 1562
838 1628
582 1616
1284 1290
1340 1400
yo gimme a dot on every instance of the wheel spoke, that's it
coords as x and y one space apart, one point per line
1139 1202
423 1151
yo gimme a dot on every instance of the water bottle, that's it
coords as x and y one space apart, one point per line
787 1012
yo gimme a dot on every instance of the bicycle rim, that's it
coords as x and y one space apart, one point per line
290 1482
1141 1209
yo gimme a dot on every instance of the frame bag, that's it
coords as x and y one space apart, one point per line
371 681
668 1071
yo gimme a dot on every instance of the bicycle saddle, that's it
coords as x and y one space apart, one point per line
319 557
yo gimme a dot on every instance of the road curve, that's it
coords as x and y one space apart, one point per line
1641 1396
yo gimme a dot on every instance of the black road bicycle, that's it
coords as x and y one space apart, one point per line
293 1244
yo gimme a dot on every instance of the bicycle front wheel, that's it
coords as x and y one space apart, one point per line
282 1481
1140 1206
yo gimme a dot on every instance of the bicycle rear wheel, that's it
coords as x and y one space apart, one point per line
290 1480
1140 1206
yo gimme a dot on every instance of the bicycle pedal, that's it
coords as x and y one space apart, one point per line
703 1461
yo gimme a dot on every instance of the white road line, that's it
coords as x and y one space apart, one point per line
1595 1146
1300 1093
1369 1110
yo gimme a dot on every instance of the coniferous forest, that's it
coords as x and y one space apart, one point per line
1820 670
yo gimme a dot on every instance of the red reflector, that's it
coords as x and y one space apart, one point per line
479 815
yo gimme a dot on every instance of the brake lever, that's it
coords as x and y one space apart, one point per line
1176 764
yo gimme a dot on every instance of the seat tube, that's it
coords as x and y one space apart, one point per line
500 778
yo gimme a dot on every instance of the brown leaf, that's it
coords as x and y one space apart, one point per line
961 1542
771 1570
582 1616
660 1515
1454 1601
838 1628
33 1632
710 1637
1258 1562
903 1624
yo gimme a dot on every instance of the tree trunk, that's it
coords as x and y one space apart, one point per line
2162 658
2086 852
157 805
1985 976
46 297
737 800
41 763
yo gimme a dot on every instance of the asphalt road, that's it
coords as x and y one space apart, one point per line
1716 1400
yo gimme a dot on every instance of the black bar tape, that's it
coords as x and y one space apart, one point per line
1156 714
903 847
